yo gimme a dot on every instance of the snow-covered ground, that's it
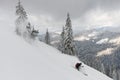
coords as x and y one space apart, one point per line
107 51
115 41
102 41
82 38
20 60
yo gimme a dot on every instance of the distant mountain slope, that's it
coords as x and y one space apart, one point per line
98 46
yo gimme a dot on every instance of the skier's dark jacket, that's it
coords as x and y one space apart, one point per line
77 65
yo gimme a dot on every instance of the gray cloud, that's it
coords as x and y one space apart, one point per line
77 8
57 9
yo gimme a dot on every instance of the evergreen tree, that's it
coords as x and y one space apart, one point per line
29 28
21 21
116 65
47 37
61 45
31 32
116 74
34 33
68 37
103 69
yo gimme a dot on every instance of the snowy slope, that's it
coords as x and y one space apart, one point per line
20 60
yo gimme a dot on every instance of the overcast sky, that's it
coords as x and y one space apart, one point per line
52 13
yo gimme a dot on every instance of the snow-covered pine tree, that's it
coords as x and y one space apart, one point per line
47 37
61 45
116 74
31 32
34 33
103 68
29 28
68 38
22 20
116 65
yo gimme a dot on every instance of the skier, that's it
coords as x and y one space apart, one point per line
80 67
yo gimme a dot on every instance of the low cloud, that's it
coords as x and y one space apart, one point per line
52 13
